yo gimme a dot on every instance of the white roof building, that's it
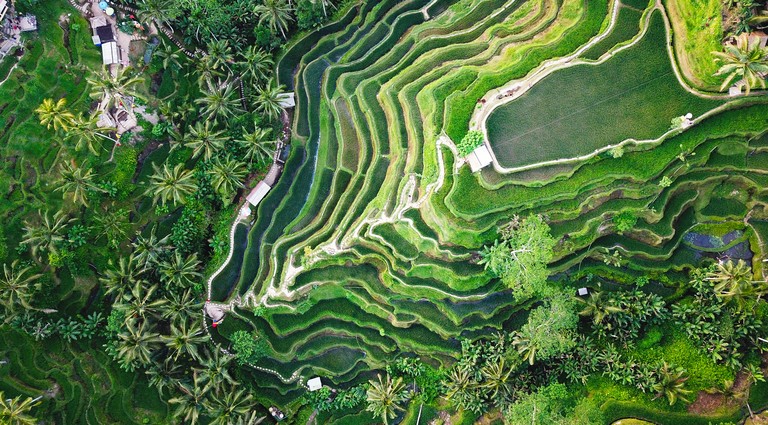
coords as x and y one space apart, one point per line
3 8
286 100
110 53
315 384
479 158
258 193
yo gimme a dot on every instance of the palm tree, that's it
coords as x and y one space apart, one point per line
15 411
171 185
16 286
180 306
202 139
258 145
207 68
745 60
190 401
136 344
162 374
215 372
141 304
227 175
233 404
55 114
86 132
671 384
276 14
148 250
180 271
733 282
496 381
250 418
184 339
48 234
112 225
268 99
170 56
120 280
76 182
160 11
384 397
256 65
526 347
597 306
219 101
112 88
220 53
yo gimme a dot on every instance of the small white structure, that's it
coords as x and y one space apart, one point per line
3 8
110 53
258 193
479 158
315 384
583 292
286 100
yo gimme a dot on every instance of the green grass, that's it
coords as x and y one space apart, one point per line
632 95
626 27
697 30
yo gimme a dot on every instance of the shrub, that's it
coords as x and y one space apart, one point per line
249 347
652 337
624 221
470 142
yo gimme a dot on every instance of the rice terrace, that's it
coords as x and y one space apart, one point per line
393 211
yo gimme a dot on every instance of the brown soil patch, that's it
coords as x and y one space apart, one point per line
708 403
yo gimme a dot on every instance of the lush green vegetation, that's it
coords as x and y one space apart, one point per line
415 290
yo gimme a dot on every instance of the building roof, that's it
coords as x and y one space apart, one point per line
315 384
109 53
479 158
3 8
286 100
98 21
105 33
258 193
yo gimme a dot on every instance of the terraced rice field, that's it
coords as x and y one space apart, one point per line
364 248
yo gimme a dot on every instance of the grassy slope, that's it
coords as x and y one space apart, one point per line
697 30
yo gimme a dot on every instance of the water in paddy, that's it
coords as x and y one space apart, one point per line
224 283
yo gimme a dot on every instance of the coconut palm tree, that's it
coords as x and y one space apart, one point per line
171 185
76 182
15 411
598 306
207 68
119 280
215 371
733 282
112 225
203 139
148 250
170 56
384 397
180 271
142 304
220 52
113 88
745 60
17 285
159 11
256 65
226 409
46 235
190 401
55 114
671 384
184 339
86 132
136 344
219 101
162 374
227 175
275 14
250 418
268 99
258 145
180 306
